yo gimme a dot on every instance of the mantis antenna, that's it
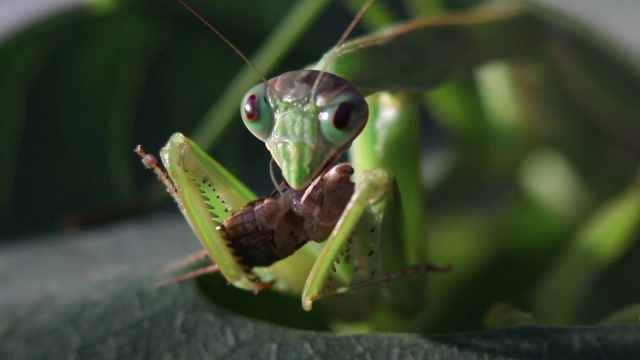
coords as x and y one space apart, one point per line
233 47
270 90
341 41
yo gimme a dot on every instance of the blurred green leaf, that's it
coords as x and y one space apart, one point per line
112 309
607 234
628 314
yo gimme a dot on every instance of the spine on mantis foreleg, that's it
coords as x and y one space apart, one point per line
421 54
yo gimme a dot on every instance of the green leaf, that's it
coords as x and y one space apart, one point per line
91 295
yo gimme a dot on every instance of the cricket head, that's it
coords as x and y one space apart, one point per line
306 131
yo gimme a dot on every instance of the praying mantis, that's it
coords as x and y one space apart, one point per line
307 120
385 148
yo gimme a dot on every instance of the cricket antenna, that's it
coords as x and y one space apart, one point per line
224 39
332 55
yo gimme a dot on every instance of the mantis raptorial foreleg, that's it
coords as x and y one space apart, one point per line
193 175
369 219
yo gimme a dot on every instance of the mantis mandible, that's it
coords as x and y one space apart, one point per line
307 120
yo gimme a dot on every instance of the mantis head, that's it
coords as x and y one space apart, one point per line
306 126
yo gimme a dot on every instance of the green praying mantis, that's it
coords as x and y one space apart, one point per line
383 148
307 120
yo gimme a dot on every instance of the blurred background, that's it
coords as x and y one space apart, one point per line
84 83
531 166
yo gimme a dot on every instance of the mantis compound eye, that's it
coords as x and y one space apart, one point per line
342 115
343 119
256 112
251 108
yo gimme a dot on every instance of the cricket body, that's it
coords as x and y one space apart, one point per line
272 228
307 120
